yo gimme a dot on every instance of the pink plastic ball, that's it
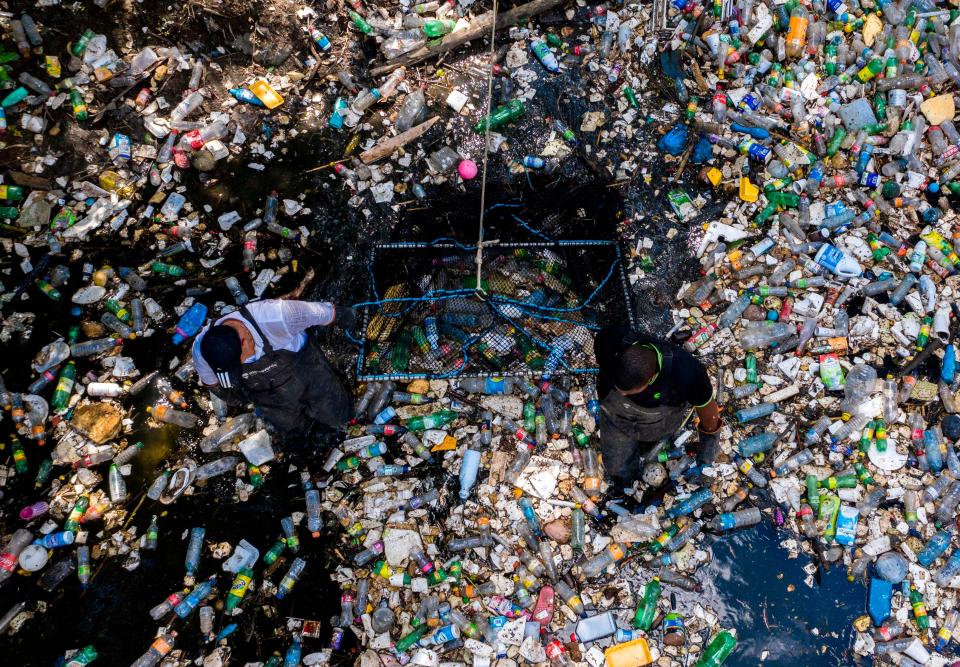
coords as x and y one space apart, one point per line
467 169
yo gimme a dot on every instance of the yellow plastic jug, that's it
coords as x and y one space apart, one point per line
266 94
635 653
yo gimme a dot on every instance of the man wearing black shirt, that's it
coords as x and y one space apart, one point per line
646 389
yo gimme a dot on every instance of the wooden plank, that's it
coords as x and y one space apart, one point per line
480 28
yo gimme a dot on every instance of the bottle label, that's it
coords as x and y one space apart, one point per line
8 561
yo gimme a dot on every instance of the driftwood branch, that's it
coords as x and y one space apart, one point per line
388 146
480 28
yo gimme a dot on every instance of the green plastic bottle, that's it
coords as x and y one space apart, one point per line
77 48
273 554
61 395
361 23
502 115
11 192
19 456
919 609
839 482
647 610
171 270
434 28
411 639
49 290
435 420
813 492
870 70
238 589
718 650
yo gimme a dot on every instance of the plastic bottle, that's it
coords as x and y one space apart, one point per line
718 650
160 647
190 323
168 415
732 521
647 610
290 578
313 512
600 562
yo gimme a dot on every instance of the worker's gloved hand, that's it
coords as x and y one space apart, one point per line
344 317
709 446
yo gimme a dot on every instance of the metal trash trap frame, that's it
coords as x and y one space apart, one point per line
533 315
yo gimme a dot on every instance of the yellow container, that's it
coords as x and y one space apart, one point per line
266 94
630 654
114 182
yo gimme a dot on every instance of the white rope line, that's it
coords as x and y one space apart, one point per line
486 147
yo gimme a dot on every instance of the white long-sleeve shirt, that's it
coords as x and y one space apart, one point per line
283 322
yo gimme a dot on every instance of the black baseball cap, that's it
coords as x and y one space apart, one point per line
220 347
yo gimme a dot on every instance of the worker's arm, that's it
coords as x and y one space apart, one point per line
301 315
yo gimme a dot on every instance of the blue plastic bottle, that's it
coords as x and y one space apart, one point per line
294 653
936 547
190 323
196 596
755 412
53 540
697 499
761 442
948 368
246 96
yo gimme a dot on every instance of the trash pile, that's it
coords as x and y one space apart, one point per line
520 563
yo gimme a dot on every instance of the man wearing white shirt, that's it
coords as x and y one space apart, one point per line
263 354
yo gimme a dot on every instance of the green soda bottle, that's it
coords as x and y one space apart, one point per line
411 639
580 436
400 354
46 288
813 492
171 270
718 650
434 28
43 474
502 115
435 420
361 23
19 456
73 519
238 589
273 554
529 416
77 48
919 609
84 656
61 395
117 309
643 619
870 70
420 338
78 105
839 482
11 192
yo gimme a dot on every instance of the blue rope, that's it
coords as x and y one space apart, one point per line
532 230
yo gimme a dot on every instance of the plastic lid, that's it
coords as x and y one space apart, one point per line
33 557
